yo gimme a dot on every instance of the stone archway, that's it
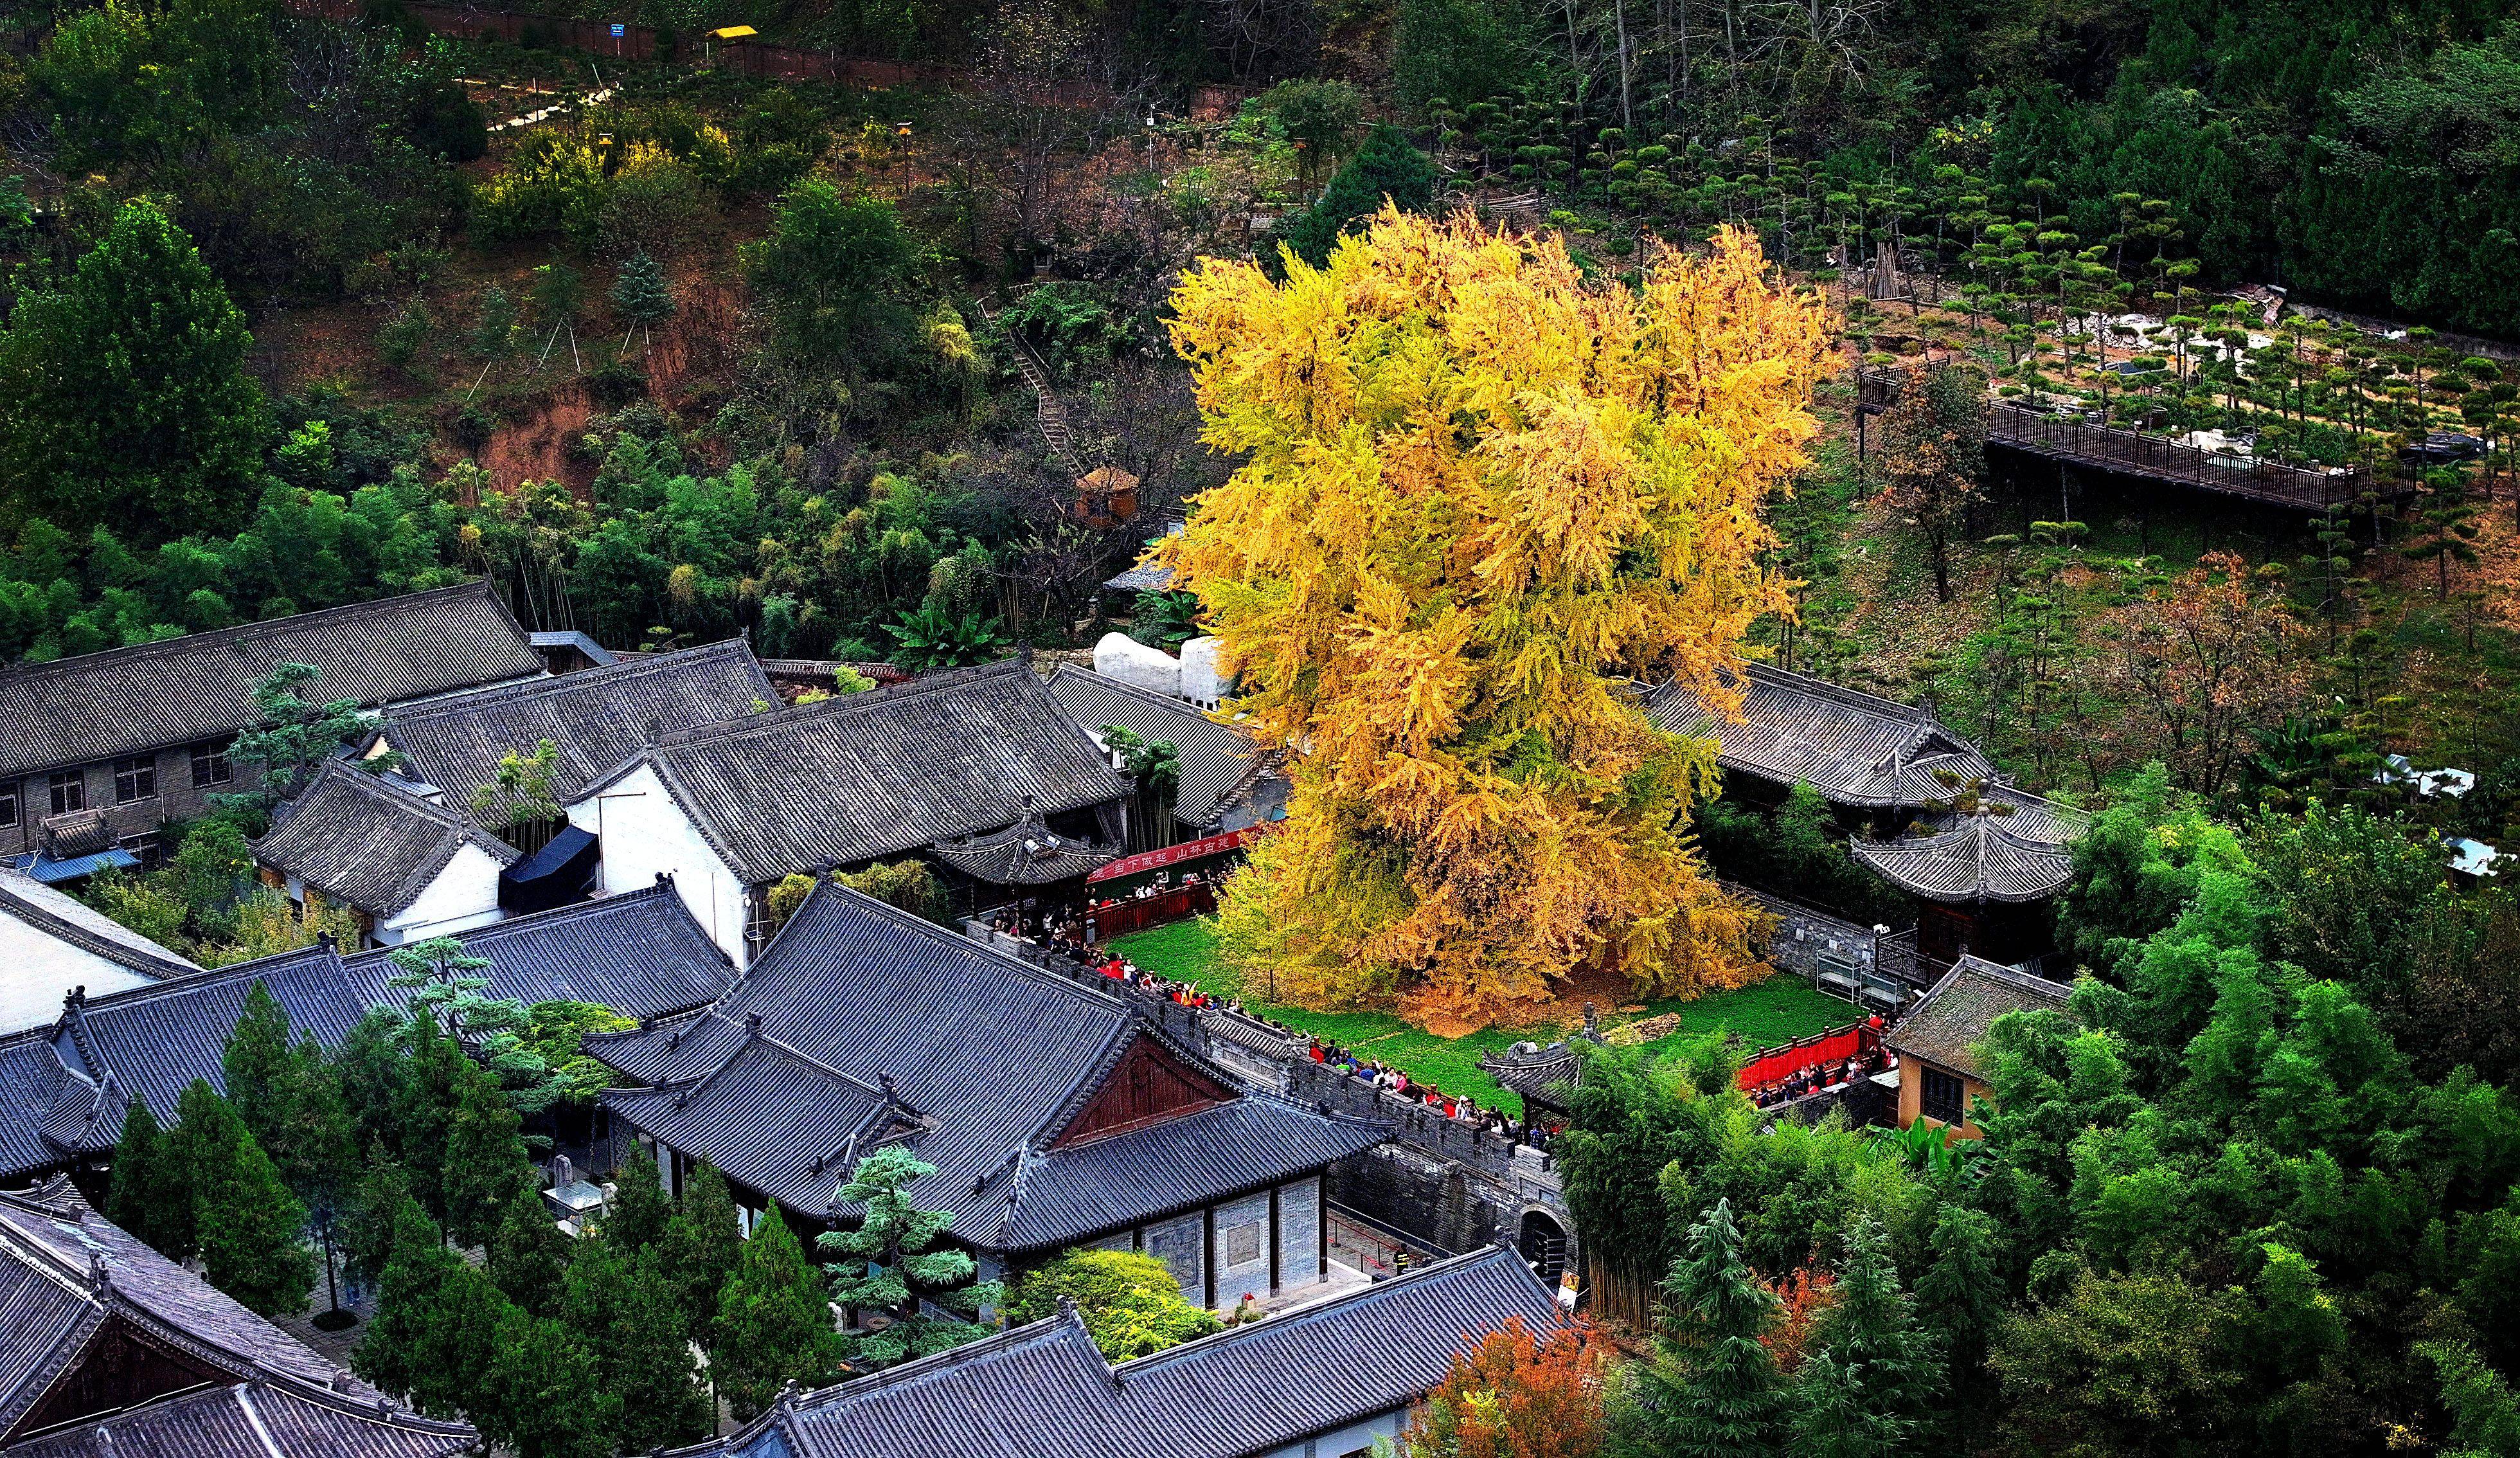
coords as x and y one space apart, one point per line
1544 1244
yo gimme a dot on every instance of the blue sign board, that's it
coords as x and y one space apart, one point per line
617 31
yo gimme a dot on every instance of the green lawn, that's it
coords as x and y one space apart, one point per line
1777 1011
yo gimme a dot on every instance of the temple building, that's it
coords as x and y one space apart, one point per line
963 767
1942 1067
1321 1380
65 1086
1930 813
97 752
406 867
108 1349
1057 1114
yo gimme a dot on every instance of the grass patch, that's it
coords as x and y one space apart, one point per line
1777 1011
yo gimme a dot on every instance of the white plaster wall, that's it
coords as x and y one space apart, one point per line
643 833
1123 658
1201 683
464 896
35 971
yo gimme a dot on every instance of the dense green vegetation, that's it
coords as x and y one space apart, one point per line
2255 1194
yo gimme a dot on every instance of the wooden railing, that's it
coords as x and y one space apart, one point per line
2152 457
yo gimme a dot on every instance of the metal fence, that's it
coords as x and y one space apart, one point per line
2126 453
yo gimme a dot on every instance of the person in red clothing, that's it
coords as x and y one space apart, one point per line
1317 1050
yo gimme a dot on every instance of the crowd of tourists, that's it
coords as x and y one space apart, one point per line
1398 1084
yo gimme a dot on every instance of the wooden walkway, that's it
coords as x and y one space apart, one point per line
2074 441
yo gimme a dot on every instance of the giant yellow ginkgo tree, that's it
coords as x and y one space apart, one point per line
1483 497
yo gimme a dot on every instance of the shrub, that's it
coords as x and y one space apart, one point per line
1131 1304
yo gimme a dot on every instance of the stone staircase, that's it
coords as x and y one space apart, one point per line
1048 411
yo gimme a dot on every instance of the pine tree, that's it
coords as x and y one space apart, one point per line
640 294
458 1345
374 1069
256 1065
641 1208
1867 1386
486 1159
620 1303
413 1276
245 1223
425 1120
1712 1390
700 1249
149 1198
774 1325
886 1263
529 1258
127 398
368 1227
1960 1298
542 1395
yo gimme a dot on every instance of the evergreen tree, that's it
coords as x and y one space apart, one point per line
543 1396
123 393
486 1159
293 737
368 1226
529 1258
413 1276
886 1263
457 1346
702 1248
1866 1389
641 1208
640 294
1960 1298
446 987
374 1069
494 328
1712 1390
149 1198
426 1119
256 1065
1387 168
621 1304
774 1324
245 1223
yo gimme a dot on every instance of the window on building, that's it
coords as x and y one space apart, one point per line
209 765
144 846
135 777
9 804
1942 1096
68 791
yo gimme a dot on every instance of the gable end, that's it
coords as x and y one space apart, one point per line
1148 1085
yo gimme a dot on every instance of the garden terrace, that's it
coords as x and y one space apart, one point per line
2075 441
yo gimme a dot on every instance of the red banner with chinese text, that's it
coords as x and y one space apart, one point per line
1173 855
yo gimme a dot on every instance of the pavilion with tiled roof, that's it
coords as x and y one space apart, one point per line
108 1349
1328 1378
65 1087
1055 1113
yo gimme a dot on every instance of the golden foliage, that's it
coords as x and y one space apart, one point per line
1481 498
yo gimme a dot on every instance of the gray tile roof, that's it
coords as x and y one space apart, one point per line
639 953
769 1117
370 844
66 1268
74 924
595 718
1215 758
255 1420
994 1056
1043 1391
64 1088
1024 853
1949 1022
1855 749
1983 857
126 701
874 774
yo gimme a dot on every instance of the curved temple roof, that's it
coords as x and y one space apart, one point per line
1855 749
2011 848
1024 853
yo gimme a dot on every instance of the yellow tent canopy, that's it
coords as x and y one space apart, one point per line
733 32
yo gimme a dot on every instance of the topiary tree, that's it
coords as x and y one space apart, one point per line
294 738
890 1267
1131 1304
1386 169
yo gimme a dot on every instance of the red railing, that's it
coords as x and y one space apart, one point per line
1136 913
1835 1046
